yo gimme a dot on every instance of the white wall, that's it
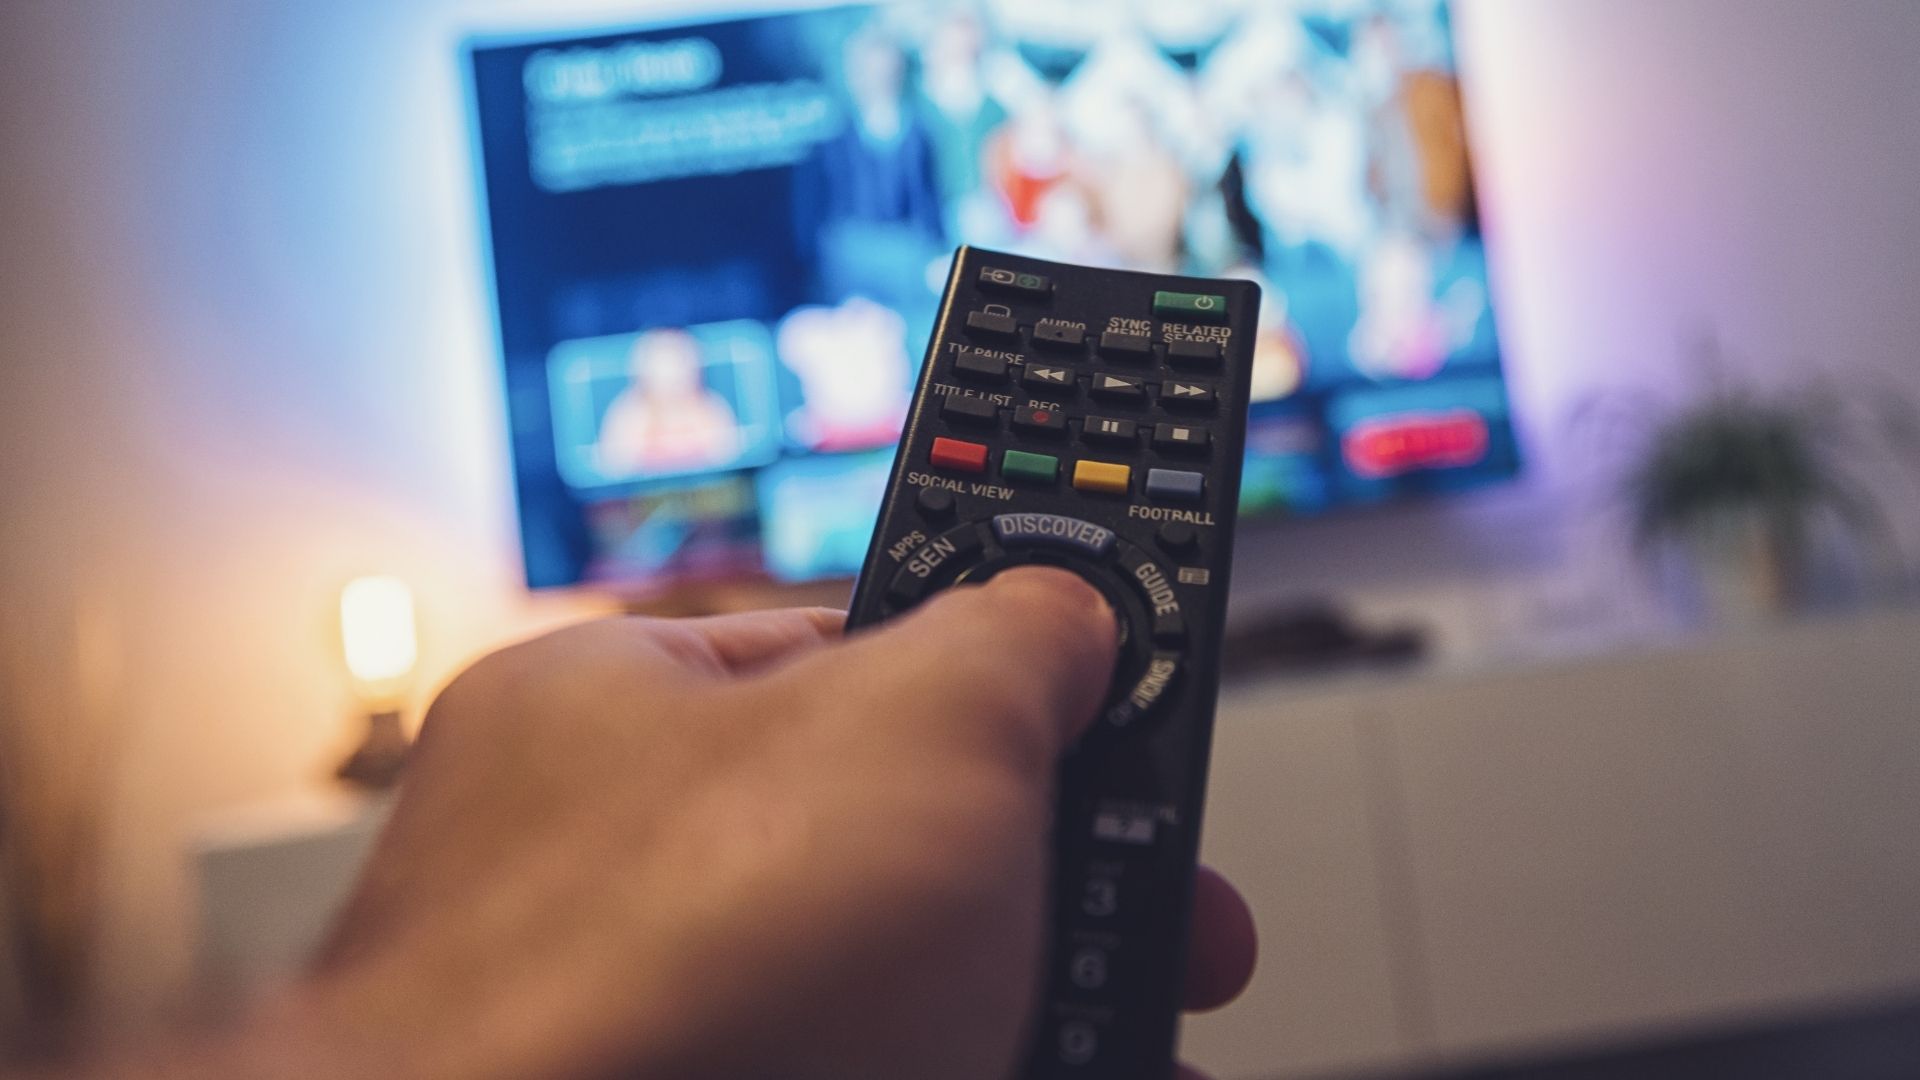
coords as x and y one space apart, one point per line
1650 171
244 351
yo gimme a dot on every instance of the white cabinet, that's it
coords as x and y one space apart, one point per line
1449 867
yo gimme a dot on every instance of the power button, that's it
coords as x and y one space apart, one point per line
1199 307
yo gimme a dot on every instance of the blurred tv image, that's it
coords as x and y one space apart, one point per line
717 250
667 401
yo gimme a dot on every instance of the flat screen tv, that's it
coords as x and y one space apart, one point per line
716 250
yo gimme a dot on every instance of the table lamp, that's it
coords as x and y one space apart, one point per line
377 634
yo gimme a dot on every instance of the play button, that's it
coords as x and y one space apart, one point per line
1118 386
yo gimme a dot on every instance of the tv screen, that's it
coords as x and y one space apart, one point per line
717 250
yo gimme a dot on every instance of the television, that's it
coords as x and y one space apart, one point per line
717 247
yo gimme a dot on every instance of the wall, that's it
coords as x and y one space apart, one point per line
247 357
1650 172
245 349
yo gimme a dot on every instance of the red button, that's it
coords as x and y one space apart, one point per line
963 456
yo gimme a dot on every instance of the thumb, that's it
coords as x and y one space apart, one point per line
1013 669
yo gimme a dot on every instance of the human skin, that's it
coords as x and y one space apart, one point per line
734 847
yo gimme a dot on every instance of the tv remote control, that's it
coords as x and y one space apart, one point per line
1094 420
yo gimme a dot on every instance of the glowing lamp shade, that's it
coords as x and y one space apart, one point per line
376 629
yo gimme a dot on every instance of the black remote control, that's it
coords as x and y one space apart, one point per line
1096 420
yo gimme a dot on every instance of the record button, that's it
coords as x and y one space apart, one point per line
1043 419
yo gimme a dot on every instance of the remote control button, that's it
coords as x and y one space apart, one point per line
1163 668
1078 1043
1180 437
1126 346
971 410
1100 897
1087 967
1188 353
1150 577
1198 307
958 456
1110 894
1059 334
934 503
1020 465
980 366
1041 419
1015 281
994 320
1175 537
1119 387
1102 476
1044 377
1104 429
1054 530
905 589
1187 394
1125 826
1175 484
921 567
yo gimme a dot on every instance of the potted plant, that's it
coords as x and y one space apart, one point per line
1745 484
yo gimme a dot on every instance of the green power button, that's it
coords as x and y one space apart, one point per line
1199 307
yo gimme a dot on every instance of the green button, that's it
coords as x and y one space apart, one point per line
1020 465
1186 305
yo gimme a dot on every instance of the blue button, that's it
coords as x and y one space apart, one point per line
1054 530
1175 484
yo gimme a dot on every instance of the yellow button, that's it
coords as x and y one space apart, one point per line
1101 476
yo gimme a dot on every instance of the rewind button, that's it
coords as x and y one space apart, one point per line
1044 377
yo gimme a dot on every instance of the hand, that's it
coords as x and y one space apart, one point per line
735 847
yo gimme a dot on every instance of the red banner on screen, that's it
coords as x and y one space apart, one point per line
1385 446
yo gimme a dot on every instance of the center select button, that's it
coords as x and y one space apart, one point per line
1053 530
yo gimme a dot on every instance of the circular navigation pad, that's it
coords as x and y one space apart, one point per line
1153 630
